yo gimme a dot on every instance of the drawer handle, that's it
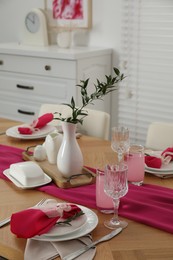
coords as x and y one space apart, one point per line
25 87
47 67
1 62
25 112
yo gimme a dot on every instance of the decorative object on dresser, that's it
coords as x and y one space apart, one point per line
66 18
35 28
71 14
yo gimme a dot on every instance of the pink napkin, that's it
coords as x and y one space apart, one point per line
36 124
153 162
157 162
168 152
148 204
39 220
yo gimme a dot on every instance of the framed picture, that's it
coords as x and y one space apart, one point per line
69 13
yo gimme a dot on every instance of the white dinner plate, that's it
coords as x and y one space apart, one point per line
161 175
41 133
90 224
46 180
167 168
65 229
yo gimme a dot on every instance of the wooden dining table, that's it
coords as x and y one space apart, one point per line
136 242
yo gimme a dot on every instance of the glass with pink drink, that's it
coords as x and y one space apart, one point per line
103 201
136 165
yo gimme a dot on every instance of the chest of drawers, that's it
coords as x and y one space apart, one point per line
30 76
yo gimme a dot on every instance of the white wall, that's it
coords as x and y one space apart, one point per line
105 32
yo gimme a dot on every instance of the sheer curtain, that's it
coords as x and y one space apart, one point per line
146 94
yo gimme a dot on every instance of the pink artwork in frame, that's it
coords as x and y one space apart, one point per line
68 9
73 13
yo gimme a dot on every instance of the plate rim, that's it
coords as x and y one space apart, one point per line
73 235
72 231
160 169
19 185
28 137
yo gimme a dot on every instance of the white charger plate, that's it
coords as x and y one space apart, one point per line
41 133
6 172
166 169
87 227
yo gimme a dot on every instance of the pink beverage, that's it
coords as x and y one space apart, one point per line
103 201
136 165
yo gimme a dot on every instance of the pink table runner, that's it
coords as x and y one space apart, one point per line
148 204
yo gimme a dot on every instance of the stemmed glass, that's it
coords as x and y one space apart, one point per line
120 141
116 186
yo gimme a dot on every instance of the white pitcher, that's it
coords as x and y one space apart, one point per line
52 144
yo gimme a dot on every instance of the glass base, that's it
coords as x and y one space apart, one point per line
106 211
137 183
111 224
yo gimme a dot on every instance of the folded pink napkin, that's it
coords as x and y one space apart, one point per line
153 162
168 152
148 204
36 124
40 219
157 161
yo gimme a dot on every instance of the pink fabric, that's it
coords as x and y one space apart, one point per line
168 152
36 124
153 162
148 204
33 221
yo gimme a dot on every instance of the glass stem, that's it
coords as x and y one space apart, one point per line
115 218
120 155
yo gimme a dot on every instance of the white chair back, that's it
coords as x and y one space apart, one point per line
96 124
159 135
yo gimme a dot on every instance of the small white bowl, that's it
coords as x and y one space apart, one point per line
27 173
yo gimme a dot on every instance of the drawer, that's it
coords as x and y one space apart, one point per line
11 110
36 88
38 66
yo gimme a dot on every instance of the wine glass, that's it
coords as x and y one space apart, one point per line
120 141
116 186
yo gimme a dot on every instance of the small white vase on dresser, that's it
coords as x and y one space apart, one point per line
70 158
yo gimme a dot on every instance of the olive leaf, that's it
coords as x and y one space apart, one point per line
101 89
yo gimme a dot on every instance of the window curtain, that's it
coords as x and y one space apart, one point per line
146 58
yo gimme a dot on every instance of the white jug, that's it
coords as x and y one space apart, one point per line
52 144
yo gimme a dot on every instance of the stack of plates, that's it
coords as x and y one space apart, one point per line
166 171
65 232
41 133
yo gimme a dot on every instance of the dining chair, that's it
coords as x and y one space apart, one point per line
96 124
159 135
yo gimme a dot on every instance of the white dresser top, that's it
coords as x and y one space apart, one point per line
53 51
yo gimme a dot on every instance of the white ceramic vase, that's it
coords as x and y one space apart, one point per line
70 158
64 39
52 145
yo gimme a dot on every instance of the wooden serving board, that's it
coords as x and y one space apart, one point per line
87 176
